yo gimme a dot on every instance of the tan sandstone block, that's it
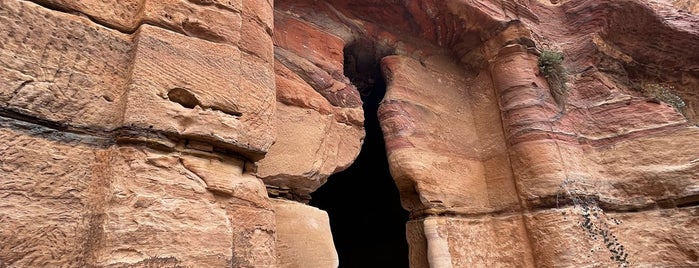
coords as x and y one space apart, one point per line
310 146
109 79
78 201
255 40
303 236
159 210
124 15
441 155
53 187
541 166
469 242
261 10
220 174
654 238
254 232
440 181
155 212
660 168
217 21
61 68
188 87
627 174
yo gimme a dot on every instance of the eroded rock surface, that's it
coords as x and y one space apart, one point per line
319 117
124 144
166 133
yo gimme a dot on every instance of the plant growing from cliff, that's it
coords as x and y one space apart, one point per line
594 221
664 93
551 66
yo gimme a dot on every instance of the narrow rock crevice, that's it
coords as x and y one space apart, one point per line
51 130
363 203
103 138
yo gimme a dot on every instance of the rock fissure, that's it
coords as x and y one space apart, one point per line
351 222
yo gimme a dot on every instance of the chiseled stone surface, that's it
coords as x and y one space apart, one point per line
158 202
53 193
77 200
470 242
128 147
310 146
152 133
153 80
203 101
62 68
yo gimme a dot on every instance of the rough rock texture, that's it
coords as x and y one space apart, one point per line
481 141
687 5
319 117
78 75
444 139
162 133
126 146
95 203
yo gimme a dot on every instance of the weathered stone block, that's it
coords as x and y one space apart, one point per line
310 147
78 200
654 238
216 21
53 187
61 68
303 236
159 209
189 87
437 150
469 242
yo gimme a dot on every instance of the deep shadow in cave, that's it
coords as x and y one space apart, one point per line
366 218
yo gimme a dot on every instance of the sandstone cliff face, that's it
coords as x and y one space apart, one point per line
190 133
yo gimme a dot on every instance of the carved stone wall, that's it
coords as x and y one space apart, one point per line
191 133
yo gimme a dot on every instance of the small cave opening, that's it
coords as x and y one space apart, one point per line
366 217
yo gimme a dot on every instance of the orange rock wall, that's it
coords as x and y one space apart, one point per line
127 127
166 133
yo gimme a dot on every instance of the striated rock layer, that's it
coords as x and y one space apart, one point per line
190 133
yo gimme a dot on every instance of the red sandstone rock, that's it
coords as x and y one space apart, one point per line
441 157
318 117
143 133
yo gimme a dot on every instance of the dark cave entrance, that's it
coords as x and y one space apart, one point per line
363 203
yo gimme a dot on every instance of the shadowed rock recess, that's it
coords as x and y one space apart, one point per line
183 133
366 218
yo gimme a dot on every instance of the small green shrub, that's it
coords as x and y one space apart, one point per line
664 93
551 66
